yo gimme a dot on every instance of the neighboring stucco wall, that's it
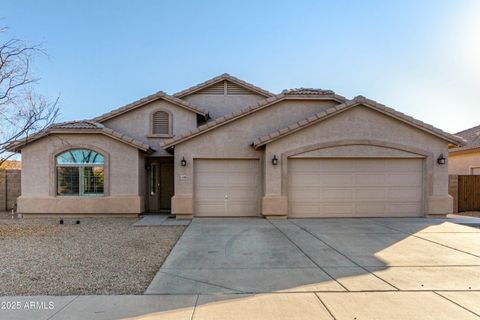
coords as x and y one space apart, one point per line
233 141
365 126
122 165
453 190
461 163
10 188
218 105
137 123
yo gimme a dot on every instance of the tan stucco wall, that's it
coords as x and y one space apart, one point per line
218 105
358 126
461 163
122 174
363 151
137 123
233 141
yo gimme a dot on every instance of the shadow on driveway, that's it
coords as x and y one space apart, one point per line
235 268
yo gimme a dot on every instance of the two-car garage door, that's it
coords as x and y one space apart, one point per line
355 187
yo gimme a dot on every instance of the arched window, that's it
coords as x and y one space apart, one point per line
80 173
161 123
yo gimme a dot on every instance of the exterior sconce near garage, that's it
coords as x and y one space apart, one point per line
274 160
183 162
441 159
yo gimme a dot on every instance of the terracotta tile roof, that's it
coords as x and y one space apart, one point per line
82 124
244 112
219 78
472 136
360 100
80 127
148 99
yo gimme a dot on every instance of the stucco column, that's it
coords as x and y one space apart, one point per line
274 203
182 201
440 202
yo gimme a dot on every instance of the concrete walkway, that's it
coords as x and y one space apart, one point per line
299 269
426 305
152 220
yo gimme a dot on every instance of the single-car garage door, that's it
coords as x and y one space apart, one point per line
227 187
355 187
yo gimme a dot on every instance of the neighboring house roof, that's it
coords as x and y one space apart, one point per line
80 127
472 136
223 77
156 96
286 95
360 100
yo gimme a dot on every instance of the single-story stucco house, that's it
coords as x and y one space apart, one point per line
465 160
228 148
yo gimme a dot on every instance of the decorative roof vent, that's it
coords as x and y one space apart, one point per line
161 123
235 89
215 89
224 88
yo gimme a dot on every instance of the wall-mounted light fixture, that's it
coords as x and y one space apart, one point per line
441 159
183 162
274 160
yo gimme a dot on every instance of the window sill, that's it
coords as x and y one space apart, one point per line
81 196
164 136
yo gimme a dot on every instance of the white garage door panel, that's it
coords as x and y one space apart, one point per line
226 187
355 187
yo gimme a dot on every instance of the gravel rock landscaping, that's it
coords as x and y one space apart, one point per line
98 256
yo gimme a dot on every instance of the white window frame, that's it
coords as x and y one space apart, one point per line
81 175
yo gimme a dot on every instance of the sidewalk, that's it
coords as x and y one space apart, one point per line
422 305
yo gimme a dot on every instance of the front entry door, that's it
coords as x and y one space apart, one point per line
160 183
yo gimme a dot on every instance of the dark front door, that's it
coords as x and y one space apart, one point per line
160 183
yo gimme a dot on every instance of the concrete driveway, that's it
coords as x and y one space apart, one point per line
323 269
332 269
232 256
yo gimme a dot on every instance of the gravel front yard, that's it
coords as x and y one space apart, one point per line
99 256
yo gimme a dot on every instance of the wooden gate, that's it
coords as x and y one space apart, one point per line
468 193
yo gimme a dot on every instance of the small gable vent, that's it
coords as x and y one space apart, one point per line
225 88
215 89
235 89
161 123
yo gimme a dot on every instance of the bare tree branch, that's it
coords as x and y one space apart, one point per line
22 110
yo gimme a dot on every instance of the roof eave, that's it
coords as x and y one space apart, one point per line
17 146
250 109
464 150
348 105
140 103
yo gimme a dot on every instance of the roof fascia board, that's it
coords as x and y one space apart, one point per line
135 105
347 106
247 111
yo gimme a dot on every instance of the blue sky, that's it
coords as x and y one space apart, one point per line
419 57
